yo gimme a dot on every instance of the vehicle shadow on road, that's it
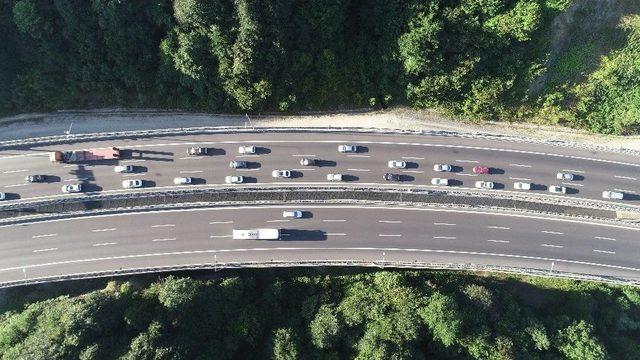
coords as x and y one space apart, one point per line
302 235
539 187
326 163
349 178
52 179
496 171
148 183
572 191
456 169
411 165
250 180
296 174
631 197
198 181
253 165
260 150
406 178
11 196
91 187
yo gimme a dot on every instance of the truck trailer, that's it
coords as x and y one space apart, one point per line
256 234
111 153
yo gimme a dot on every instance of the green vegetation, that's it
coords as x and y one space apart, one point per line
573 62
313 314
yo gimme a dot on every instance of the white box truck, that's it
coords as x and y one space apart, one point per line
256 234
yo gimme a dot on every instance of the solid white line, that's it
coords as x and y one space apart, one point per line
412 158
552 246
219 236
334 220
191 171
134 174
104 230
520 165
133 160
468 161
443 224
43 250
247 155
359 169
305 169
604 251
220 222
473 175
389 235
166 239
413 171
445 237
105 244
191 158
390 221
15 171
70 165
572 184
575 171
499 227
551 232
625 177
361 156
43 236
627 191
304 155
77 179
258 169
515 178
163 225
336 234
16 185
499 241
604 238
277 221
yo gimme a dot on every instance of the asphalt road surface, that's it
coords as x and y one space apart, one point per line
376 234
159 160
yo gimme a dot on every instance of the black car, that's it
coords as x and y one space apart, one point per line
197 151
34 178
391 177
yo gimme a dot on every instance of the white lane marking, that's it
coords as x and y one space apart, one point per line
277 221
552 232
499 241
191 171
304 155
522 179
70 165
625 177
413 171
499 227
16 185
520 165
15 171
163 225
76 179
220 222
43 236
390 221
445 237
336 234
361 156
412 158
443 224
104 230
134 174
389 235
219 236
43 250
572 184
359 169
165 239
105 244
305 169
258 169
627 191
191 158
604 238
552 246
604 251
574 171
473 175
247 155
468 161
329 220
133 160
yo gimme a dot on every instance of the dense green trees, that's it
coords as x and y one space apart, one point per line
305 314
479 59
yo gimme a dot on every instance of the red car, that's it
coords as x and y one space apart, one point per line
480 170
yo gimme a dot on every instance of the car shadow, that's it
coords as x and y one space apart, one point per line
253 165
52 179
326 163
362 149
455 182
405 178
198 181
137 169
456 169
498 186
148 183
350 178
539 187
217 151
496 171
11 196
261 150
296 174
307 215
627 196
578 177
572 191
91 187
250 179
411 165
302 235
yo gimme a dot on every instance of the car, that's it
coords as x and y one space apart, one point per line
334 177
197 151
480 170
281 173
442 167
2 196
34 178
122 169
391 177
345 148
308 162
485 184
613 195
247 149
294 214
564 176
71 188
234 179
440 181
396 164
522 186
238 164
182 180
557 189
131 184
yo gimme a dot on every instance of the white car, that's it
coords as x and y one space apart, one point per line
182 180
130 184
281 173
613 195
247 149
557 189
440 181
564 176
344 148
442 167
234 179
334 177
2 196
237 164
123 169
308 162
294 214
71 188
522 186
484 184
396 164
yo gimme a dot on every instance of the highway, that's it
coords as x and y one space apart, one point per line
327 232
158 160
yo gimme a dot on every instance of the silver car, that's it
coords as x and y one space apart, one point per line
71 188
613 195
307 162
3 196
522 186
182 180
234 179
557 189
442 167
485 184
396 164
131 184
237 164
334 177
281 173
440 181
346 148
293 214
564 176
123 169
247 149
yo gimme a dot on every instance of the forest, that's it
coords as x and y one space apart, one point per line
569 62
323 314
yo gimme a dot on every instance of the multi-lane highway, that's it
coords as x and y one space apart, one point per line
203 236
158 160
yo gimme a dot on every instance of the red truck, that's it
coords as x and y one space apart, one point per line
85 155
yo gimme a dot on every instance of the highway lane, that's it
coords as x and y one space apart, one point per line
159 160
180 237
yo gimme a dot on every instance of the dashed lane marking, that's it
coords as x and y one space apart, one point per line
220 222
336 234
277 221
604 251
604 238
468 161
364 170
162 240
499 241
625 177
390 235
443 224
163 225
105 244
43 236
334 220
520 165
219 236
574 171
390 221
44 250
551 232
412 158
103 230
552 246
499 227
445 237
